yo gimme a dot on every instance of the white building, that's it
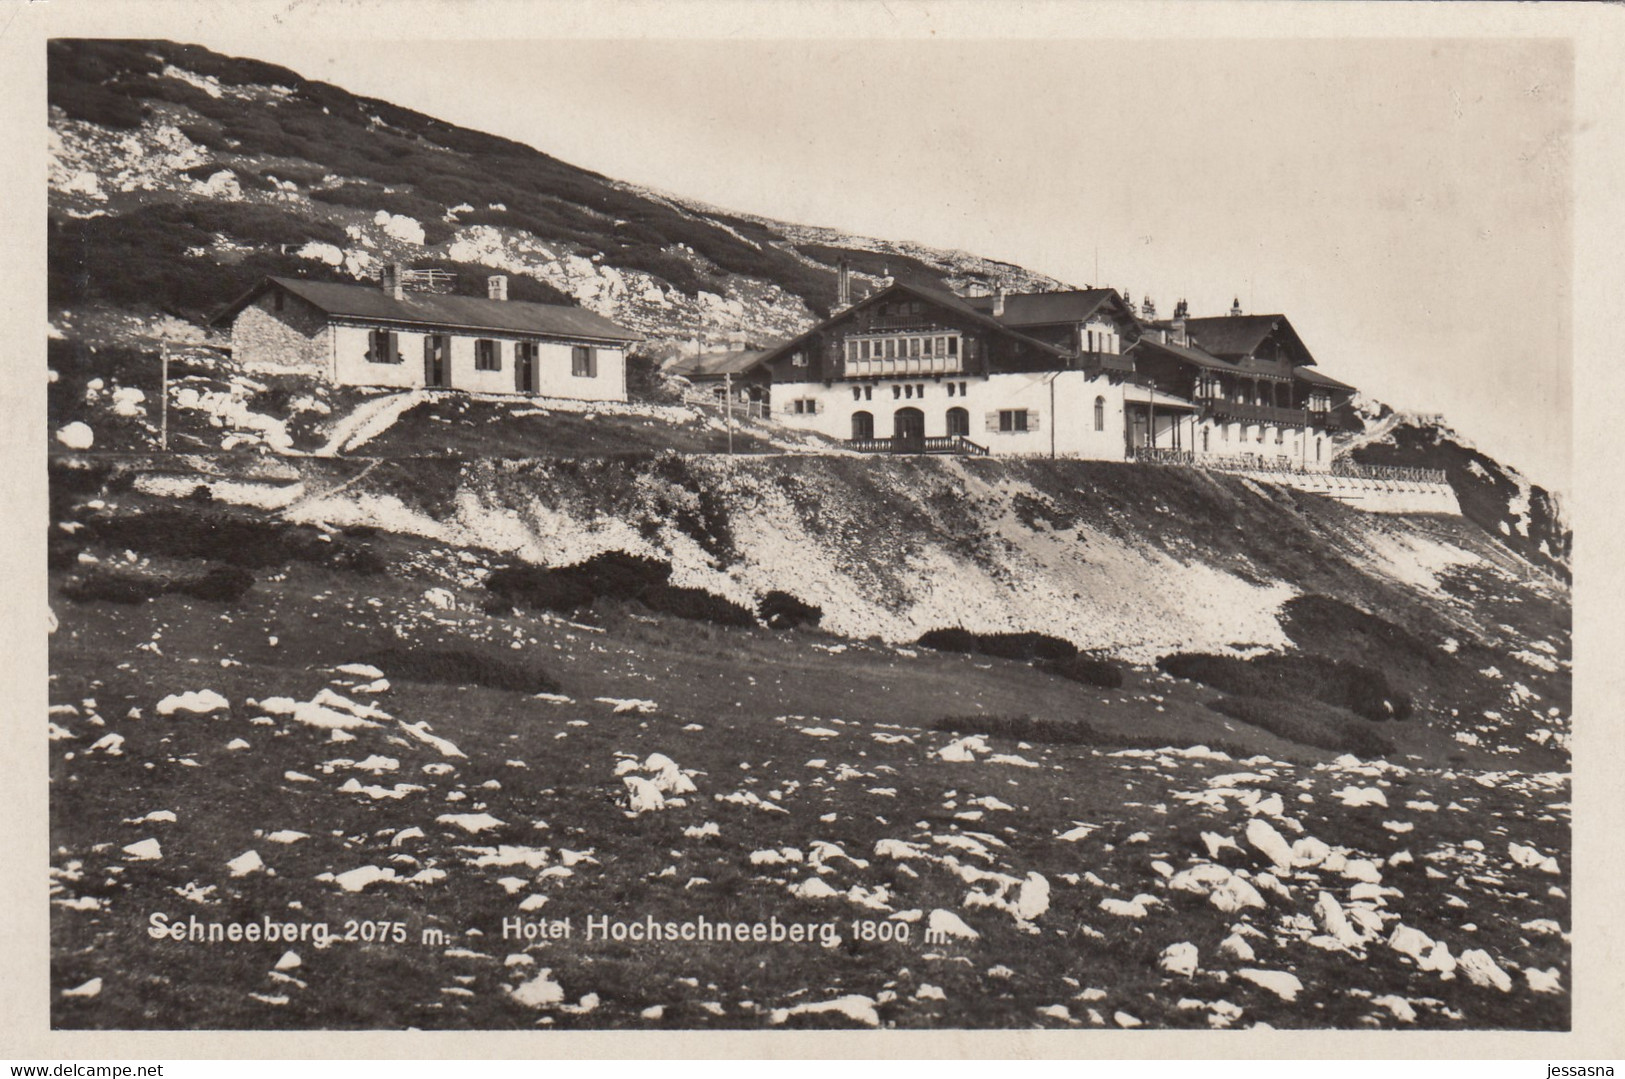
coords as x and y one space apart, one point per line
1065 374
389 335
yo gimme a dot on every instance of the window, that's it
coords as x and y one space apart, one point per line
1013 419
961 389
383 346
857 395
950 389
891 348
804 406
1317 449
487 355
863 425
927 346
863 352
896 391
958 422
868 393
953 346
1278 436
913 346
1204 439
1100 413
584 361
908 391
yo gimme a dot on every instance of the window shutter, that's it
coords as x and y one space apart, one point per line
1032 420
394 352
992 421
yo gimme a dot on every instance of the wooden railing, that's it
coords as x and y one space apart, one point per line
935 444
1251 413
1257 462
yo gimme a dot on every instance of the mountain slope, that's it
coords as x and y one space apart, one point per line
180 175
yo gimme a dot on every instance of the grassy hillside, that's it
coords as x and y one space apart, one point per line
354 725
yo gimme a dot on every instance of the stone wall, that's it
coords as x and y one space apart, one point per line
295 338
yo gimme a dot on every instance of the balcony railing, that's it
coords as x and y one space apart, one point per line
1106 361
1284 463
935 444
1251 413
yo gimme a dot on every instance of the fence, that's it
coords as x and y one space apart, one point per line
1248 462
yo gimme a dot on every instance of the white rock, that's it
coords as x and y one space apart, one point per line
1530 858
813 888
289 961
1125 1020
1543 981
1179 959
245 863
946 921
1032 900
1264 838
1439 960
441 599
1237 948
1234 895
539 992
199 702
1483 971
1399 1007
859 1009
1408 940
1216 843
1331 917
1361 796
147 850
643 796
76 436
89 989
1280 982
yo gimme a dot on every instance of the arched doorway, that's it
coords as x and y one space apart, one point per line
863 425
958 422
908 430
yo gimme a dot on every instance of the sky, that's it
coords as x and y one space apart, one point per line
1407 203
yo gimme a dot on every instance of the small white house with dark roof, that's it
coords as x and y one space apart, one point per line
390 335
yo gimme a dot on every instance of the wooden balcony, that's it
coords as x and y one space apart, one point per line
1251 413
903 367
958 444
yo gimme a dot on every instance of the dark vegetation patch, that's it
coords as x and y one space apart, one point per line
1068 732
781 610
613 575
251 543
1362 690
1019 646
458 667
1307 724
218 584
876 263
696 604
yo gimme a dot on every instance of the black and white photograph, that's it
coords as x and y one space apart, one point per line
1065 528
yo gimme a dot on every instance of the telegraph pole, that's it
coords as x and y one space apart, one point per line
163 407
728 400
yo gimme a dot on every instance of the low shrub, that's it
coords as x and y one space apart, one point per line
949 640
1088 670
781 610
1060 732
696 604
201 533
611 575
1362 690
534 586
114 586
1020 646
460 667
219 584
1290 720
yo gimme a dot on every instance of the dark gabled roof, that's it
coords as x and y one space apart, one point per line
1315 378
717 364
1045 308
1240 335
1183 354
369 303
936 296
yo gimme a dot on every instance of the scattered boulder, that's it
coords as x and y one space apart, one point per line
1179 959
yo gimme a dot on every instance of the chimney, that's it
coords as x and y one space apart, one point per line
1235 306
496 287
392 279
843 284
998 302
1181 309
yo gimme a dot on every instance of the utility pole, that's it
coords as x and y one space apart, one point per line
728 399
163 407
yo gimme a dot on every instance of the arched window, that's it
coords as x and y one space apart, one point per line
1317 449
958 422
1204 439
1100 413
863 425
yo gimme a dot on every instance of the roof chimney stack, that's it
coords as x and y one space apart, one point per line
998 302
1235 307
496 287
392 279
843 284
